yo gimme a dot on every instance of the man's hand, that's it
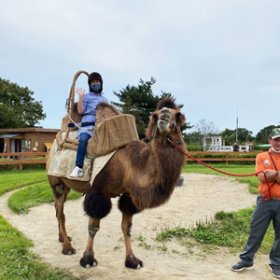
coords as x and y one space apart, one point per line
269 175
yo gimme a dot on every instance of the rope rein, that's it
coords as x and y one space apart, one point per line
73 120
266 197
209 166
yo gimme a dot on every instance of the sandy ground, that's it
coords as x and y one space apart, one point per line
197 201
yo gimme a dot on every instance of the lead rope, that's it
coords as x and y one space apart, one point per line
209 166
221 171
269 188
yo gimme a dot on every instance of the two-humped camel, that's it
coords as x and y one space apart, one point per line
143 175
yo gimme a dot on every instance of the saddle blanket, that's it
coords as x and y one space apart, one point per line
62 163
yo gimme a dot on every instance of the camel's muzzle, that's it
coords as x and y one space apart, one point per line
165 120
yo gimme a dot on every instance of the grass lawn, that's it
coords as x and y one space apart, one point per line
16 260
36 194
15 179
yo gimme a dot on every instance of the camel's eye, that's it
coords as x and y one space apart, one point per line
180 118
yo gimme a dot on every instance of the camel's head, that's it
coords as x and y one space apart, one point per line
166 120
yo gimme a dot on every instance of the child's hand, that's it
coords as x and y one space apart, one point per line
80 92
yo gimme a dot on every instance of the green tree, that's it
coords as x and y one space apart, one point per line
140 101
263 135
17 106
244 135
193 140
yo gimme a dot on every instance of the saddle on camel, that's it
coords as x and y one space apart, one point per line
143 175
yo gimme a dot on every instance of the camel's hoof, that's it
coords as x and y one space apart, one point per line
133 262
88 261
70 251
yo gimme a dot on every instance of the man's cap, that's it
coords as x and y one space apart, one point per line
275 133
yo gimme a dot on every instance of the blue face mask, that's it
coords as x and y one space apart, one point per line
95 87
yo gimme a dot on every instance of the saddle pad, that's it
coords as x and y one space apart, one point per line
98 165
62 162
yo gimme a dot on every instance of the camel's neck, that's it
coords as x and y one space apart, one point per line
165 164
169 158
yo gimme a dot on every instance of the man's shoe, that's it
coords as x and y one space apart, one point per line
77 172
242 266
275 270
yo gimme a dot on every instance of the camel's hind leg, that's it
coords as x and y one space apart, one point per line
128 210
60 192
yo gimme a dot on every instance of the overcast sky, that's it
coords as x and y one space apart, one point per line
217 57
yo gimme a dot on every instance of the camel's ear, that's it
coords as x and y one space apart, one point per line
180 119
152 124
154 117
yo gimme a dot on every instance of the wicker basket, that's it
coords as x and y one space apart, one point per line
111 134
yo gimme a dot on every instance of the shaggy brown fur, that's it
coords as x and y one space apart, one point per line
143 175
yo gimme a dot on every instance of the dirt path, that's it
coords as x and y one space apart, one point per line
198 200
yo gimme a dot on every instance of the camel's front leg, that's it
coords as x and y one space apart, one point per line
131 261
88 259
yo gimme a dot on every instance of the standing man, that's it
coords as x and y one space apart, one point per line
267 209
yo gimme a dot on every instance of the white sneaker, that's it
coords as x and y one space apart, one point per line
77 172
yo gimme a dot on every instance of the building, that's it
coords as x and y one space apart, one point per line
26 139
217 144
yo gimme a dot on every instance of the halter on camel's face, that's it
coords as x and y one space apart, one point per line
168 120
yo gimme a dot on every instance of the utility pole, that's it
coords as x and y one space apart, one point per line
236 131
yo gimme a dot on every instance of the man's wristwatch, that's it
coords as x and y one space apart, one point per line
277 173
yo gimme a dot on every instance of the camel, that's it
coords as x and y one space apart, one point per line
143 175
